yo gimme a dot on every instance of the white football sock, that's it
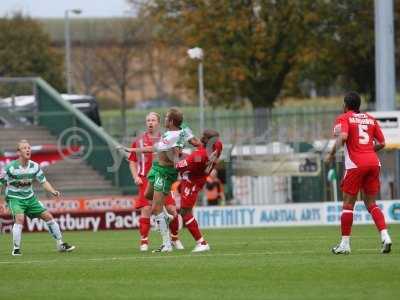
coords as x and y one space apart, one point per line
200 240
55 231
17 232
163 227
385 236
345 240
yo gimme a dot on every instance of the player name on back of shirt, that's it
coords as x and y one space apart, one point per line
361 119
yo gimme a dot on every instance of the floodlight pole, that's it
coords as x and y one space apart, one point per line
384 56
68 68
201 95
198 54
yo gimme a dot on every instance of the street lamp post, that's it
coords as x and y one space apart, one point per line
385 75
68 69
198 54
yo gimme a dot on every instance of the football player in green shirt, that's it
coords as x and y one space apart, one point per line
163 173
17 178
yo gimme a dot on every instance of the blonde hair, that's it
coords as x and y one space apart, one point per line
23 141
157 115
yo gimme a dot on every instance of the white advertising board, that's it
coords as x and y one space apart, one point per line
319 213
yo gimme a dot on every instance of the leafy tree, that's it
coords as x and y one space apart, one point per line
26 51
117 62
258 50
340 47
250 46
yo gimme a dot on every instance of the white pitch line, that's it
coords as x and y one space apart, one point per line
166 256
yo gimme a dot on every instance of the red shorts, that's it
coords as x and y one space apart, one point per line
141 200
362 178
189 193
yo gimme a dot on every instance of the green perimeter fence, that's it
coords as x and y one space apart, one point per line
303 124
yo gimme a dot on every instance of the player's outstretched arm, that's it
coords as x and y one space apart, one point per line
148 149
49 188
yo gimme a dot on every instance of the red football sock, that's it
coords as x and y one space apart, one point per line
174 228
346 220
377 216
193 227
144 229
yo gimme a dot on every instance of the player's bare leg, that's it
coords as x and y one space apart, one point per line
55 232
149 192
380 223
162 221
346 222
17 233
174 226
193 227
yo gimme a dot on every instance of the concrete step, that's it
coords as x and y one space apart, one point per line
80 192
25 132
32 128
76 176
34 141
78 180
81 186
68 165
81 168
70 185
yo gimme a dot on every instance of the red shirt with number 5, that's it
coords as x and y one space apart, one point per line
362 130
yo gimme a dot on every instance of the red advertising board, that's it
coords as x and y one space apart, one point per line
90 213
93 221
85 204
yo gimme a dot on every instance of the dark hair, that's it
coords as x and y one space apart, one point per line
211 133
176 116
352 101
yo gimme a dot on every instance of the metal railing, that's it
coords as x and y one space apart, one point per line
242 126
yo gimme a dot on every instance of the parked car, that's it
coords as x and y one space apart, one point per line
85 103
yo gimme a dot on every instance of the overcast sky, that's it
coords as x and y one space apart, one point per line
56 8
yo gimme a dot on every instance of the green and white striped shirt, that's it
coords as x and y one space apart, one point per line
19 179
188 133
176 138
170 140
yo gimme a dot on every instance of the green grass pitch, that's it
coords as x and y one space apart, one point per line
268 263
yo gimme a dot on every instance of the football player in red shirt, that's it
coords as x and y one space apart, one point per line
361 136
140 165
194 171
